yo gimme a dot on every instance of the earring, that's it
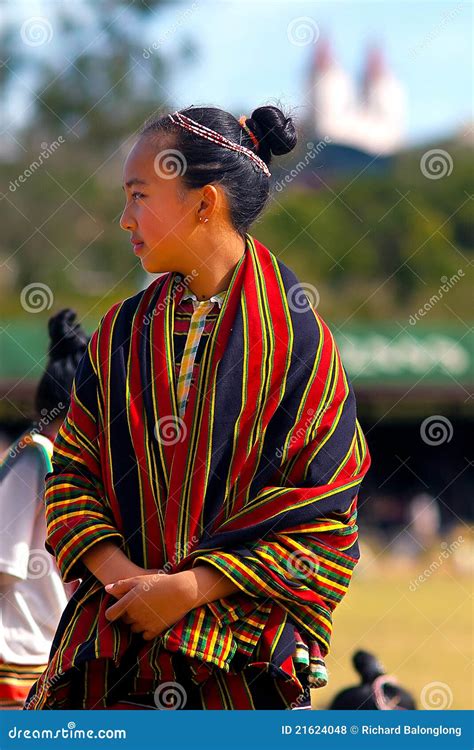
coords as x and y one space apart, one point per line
201 219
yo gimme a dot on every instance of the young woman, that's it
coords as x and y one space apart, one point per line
32 594
205 479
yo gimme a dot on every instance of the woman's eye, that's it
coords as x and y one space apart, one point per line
137 195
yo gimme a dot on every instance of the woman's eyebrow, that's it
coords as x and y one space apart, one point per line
134 181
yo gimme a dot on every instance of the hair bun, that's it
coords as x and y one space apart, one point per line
273 129
67 338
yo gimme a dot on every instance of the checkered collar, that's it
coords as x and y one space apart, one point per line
219 298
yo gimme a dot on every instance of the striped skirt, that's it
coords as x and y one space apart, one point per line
16 681
101 685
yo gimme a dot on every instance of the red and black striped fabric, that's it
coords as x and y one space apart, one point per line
259 478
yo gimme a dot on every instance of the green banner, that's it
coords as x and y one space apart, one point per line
383 354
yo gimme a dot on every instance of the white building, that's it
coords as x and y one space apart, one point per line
371 119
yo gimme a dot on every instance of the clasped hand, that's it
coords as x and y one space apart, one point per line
149 603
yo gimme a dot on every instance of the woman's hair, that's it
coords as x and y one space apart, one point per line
67 344
246 185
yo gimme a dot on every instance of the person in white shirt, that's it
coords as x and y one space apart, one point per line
32 594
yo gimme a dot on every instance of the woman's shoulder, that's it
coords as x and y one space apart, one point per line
126 309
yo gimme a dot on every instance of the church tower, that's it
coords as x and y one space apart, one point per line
371 119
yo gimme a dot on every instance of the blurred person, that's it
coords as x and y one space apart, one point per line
424 520
205 480
377 691
32 594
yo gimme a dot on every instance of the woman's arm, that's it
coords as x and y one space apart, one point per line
204 584
109 563
77 516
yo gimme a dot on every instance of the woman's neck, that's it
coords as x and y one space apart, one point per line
215 273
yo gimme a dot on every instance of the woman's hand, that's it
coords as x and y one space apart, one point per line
150 603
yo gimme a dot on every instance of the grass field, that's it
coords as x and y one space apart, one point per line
421 636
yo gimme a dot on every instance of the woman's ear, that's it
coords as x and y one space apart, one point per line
209 202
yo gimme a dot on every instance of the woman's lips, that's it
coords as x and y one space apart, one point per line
137 246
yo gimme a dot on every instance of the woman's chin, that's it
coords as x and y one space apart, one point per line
152 265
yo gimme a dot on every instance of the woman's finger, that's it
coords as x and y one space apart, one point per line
119 588
120 607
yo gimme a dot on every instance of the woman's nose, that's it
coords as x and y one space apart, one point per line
127 221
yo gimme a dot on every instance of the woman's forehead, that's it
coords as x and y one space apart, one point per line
143 162
139 162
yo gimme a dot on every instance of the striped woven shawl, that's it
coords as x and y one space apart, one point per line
259 479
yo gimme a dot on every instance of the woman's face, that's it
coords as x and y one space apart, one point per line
160 214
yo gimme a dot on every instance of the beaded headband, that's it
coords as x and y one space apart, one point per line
212 135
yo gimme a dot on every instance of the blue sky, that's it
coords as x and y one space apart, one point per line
245 58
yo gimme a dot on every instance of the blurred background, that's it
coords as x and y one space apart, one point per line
373 211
